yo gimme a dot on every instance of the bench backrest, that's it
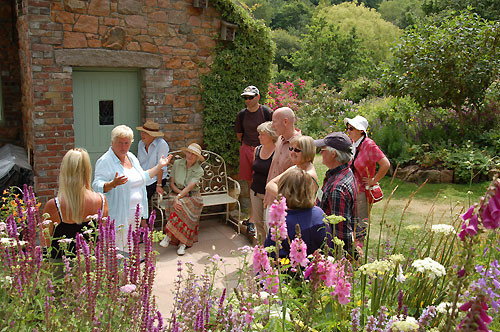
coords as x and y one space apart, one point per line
214 180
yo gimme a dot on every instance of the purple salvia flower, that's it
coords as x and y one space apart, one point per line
400 302
382 316
427 315
371 324
355 315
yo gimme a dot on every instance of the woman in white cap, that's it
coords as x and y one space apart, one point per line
151 147
185 202
365 161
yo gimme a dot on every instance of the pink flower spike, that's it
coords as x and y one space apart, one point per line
298 253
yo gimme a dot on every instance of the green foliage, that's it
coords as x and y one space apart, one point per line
361 88
488 9
469 162
328 55
246 61
322 111
295 14
376 34
286 44
447 63
401 13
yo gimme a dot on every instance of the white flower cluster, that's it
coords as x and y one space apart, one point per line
429 266
445 307
8 242
408 325
397 258
443 228
377 266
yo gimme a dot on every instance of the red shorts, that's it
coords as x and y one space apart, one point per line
246 161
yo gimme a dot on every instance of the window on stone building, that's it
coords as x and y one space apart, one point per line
106 113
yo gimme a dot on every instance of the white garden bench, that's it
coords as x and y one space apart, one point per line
213 185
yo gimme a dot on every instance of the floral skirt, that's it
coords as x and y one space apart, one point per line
183 225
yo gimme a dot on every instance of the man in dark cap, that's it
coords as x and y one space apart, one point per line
339 187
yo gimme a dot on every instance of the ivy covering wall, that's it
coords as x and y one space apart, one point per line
246 61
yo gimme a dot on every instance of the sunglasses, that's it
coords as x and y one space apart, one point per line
294 149
349 128
248 97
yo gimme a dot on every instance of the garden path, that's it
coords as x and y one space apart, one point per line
215 237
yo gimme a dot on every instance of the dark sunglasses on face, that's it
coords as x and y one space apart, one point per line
349 128
294 149
248 97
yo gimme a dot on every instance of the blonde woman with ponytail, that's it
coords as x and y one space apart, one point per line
75 202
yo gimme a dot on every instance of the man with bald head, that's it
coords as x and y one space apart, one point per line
284 125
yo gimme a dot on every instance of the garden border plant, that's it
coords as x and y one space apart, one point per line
246 61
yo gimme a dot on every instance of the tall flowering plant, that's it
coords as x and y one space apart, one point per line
95 288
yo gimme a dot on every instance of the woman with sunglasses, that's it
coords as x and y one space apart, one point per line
302 153
364 163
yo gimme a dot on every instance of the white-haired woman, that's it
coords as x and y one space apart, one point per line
185 201
75 201
119 175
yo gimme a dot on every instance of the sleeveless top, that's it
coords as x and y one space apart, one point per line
68 231
260 169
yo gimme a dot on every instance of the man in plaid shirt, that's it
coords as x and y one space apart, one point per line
339 191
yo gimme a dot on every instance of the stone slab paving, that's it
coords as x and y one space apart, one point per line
214 237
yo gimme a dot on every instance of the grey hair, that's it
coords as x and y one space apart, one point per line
341 156
122 131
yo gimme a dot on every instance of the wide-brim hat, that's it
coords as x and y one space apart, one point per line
152 128
195 149
358 122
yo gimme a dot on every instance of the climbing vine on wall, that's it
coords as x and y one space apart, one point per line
246 61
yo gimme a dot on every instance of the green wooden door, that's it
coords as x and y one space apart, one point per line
102 100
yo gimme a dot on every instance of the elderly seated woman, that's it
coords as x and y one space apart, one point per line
185 201
299 189
119 175
75 202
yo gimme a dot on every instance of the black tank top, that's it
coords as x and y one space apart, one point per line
68 231
260 169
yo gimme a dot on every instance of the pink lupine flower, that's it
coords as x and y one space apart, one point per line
298 253
277 216
271 281
260 259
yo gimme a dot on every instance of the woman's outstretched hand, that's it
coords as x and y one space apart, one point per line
164 161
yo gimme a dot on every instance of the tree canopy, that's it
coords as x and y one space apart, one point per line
376 34
446 62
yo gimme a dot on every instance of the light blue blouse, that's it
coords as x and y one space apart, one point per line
150 159
118 198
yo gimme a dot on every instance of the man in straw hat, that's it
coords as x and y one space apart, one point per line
151 147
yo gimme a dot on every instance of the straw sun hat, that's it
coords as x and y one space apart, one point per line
195 149
152 128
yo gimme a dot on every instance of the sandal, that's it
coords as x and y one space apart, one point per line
245 222
251 229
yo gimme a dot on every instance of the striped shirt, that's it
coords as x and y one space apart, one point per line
339 198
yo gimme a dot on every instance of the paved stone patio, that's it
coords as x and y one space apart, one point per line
215 237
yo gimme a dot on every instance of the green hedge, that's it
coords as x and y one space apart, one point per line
246 61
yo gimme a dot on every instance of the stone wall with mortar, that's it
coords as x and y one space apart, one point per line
170 41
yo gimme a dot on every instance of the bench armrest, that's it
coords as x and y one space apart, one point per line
237 188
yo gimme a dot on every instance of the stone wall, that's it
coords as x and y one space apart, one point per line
170 41
11 124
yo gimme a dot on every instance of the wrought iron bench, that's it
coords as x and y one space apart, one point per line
213 185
